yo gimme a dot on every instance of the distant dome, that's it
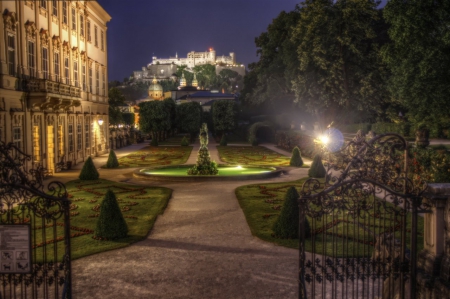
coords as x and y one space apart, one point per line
155 86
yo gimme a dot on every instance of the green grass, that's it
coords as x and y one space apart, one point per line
223 171
140 206
262 204
251 155
174 140
152 156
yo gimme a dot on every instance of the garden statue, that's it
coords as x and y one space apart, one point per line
204 166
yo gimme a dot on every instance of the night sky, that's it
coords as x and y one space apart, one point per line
140 29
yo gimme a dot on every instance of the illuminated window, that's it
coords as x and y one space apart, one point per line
36 144
103 82
56 66
31 58
61 140
45 63
70 131
11 55
79 137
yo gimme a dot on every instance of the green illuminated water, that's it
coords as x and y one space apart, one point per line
223 171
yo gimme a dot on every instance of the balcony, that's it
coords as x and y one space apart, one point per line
47 86
45 94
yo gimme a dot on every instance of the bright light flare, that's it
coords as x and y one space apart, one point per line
239 167
324 139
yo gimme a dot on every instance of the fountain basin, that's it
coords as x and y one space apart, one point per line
226 173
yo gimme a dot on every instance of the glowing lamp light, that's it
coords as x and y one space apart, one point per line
239 167
100 122
324 139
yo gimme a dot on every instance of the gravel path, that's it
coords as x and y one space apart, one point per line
201 247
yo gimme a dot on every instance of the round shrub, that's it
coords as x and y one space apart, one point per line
112 160
296 158
88 172
286 226
154 142
184 141
110 224
317 170
223 141
253 140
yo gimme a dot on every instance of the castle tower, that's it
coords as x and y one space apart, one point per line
233 58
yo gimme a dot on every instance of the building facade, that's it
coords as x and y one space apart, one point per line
53 79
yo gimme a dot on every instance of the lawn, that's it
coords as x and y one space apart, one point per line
153 156
140 207
262 204
251 155
174 140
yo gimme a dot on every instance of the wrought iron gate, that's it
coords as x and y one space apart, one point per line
34 231
358 226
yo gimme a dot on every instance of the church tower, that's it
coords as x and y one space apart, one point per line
195 82
182 81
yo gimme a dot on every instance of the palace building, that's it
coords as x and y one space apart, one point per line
53 79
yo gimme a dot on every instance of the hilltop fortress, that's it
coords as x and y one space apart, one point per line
165 68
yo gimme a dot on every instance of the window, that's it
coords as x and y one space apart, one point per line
95 36
70 130
55 8
97 81
86 133
31 57
43 4
103 82
81 25
17 137
83 76
45 63
75 73
79 136
66 70
11 55
88 29
74 19
61 140
56 66
102 40
36 144
64 11
90 80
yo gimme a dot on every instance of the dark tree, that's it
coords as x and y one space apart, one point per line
110 224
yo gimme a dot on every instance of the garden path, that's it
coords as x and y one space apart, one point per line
201 247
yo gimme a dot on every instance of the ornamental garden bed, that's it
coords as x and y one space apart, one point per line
154 156
262 203
140 207
251 155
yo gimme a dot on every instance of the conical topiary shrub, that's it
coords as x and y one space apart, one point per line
154 142
88 172
296 158
184 141
112 160
317 170
286 226
223 141
110 224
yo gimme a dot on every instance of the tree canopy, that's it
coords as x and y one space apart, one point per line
224 114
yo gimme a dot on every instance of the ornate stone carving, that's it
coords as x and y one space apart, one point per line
30 29
56 42
66 47
10 20
75 52
83 56
44 37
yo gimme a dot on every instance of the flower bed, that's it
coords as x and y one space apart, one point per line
140 207
262 204
156 156
251 155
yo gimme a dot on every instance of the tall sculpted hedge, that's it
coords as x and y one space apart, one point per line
110 224
89 172
296 158
112 160
317 169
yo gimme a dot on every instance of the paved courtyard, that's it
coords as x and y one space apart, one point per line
201 247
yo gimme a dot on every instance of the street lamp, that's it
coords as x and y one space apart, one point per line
100 121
